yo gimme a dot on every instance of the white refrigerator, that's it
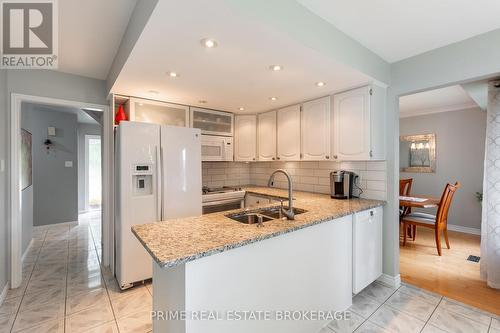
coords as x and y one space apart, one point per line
158 177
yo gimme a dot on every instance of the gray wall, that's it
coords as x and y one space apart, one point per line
83 129
460 140
55 187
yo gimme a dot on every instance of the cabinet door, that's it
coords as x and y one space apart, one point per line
161 113
367 248
351 132
245 137
266 136
315 129
212 122
288 129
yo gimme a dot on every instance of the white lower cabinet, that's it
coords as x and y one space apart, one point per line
245 140
366 248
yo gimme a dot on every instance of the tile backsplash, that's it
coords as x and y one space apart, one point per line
216 174
307 176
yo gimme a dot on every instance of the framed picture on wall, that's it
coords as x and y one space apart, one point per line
417 153
26 160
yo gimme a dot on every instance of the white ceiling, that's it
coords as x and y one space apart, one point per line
90 32
452 98
233 75
81 116
396 29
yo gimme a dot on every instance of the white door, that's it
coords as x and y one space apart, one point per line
245 137
137 157
181 171
266 136
288 141
351 131
315 125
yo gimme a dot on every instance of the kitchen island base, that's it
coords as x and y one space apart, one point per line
306 273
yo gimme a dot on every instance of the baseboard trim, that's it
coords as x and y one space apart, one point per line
465 230
27 250
3 295
390 281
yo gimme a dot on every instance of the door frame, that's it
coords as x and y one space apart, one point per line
88 137
15 213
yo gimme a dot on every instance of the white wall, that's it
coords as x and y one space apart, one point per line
84 129
4 236
460 140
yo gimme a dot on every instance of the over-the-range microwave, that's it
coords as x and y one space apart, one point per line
216 148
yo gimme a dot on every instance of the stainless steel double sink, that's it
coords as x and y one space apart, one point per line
261 215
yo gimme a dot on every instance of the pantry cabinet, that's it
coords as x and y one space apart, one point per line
245 139
315 129
266 136
358 118
288 133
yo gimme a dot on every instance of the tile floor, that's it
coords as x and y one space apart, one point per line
380 309
65 289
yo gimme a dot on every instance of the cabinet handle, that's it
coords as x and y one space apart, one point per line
253 158
371 153
335 156
327 157
273 158
372 213
278 158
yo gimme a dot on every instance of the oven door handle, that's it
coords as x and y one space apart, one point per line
221 202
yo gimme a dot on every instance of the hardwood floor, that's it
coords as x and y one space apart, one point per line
451 274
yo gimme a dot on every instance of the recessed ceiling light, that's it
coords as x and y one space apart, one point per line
275 68
173 74
320 84
241 109
273 98
208 43
153 92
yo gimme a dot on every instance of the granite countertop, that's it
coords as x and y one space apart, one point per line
178 241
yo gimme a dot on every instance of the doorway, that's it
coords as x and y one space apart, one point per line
15 200
442 141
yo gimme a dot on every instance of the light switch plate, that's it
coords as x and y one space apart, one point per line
2 165
68 164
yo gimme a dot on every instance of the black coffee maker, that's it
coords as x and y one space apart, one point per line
342 184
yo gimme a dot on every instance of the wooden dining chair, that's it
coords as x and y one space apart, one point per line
437 222
405 190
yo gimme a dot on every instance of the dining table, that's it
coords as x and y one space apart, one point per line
419 201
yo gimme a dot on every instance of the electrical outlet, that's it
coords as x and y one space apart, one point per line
2 165
68 164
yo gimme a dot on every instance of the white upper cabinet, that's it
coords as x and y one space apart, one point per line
245 138
315 128
288 136
148 111
212 122
358 118
266 136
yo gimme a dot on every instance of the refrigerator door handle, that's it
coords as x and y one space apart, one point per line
159 191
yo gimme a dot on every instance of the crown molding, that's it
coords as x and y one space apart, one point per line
448 108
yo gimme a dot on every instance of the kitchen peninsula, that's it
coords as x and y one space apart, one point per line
216 264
